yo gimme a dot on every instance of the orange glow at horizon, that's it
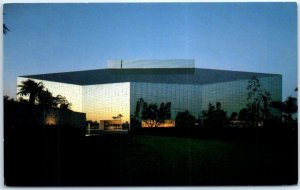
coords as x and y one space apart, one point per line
166 124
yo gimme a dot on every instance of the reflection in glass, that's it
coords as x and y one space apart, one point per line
106 101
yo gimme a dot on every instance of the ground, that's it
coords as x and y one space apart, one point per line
139 159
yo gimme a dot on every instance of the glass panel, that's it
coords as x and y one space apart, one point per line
105 101
73 93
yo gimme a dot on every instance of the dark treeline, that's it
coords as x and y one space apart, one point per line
37 154
284 132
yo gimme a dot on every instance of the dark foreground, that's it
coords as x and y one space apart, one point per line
60 156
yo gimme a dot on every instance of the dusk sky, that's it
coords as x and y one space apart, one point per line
47 38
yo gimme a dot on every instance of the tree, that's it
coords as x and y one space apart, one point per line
5 29
140 104
244 114
61 102
46 99
291 105
214 116
8 99
38 94
185 119
288 107
164 112
151 114
234 116
118 116
259 101
135 119
125 126
31 88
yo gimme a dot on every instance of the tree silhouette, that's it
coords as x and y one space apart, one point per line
37 93
140 104
288 107
291 105
152 115
185 119
118 116
214 116
259 100
244 114
233 116
61 102
164 112
31 88
6 98
5 29
46 99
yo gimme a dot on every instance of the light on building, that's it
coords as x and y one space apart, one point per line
50 120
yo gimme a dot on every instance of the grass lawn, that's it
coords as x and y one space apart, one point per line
161 160
143 160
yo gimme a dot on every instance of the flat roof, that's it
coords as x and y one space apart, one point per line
153 75
152 63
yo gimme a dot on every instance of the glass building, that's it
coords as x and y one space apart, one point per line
105 93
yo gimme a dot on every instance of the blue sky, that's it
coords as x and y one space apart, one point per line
46 38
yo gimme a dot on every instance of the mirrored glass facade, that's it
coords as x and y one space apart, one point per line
99 102
233 95
73 93
105 101
182 97
195 98
105 93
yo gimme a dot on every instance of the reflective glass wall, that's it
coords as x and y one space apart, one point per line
73 93
99 102
182 97
233 95
195 98
105 101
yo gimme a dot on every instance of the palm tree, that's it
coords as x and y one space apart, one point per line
118 116
31 88
5 29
